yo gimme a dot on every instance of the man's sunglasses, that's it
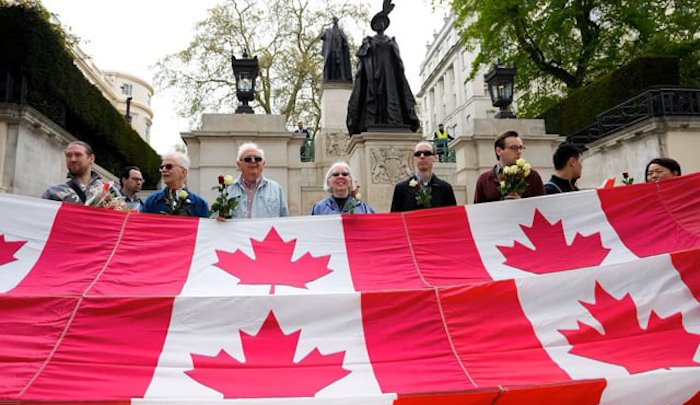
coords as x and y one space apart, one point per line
344 174
423 152
249 159
168 166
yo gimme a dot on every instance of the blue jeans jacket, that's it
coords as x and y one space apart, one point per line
328 205
268 200
155 203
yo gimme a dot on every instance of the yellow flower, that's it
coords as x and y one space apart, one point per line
358 196
183 193
520 162
413 183
503 183
527 167
228 179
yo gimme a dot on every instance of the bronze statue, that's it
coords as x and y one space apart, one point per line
336 55
381 97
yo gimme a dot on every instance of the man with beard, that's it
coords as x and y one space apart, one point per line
82 181
423 189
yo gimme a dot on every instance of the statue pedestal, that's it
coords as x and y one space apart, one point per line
379 160
332 141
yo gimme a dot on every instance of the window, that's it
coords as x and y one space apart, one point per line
127 89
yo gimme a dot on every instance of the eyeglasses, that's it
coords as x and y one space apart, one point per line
515 148
423 152
168 166
249 159
344 174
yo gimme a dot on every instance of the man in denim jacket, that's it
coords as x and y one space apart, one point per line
258 196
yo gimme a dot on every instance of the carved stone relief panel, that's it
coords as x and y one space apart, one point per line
336 143
389 165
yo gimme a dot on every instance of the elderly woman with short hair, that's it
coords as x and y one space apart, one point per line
339 183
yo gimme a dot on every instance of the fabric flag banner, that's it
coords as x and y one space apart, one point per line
588 297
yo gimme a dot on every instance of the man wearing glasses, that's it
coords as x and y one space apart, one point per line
508 148
175 198
131 181
258 196
423 189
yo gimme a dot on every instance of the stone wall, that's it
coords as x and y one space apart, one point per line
31 151
630 149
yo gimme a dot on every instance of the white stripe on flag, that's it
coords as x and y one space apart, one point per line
205 325
380 399
317 236
24 219
499 224
553 303
214 306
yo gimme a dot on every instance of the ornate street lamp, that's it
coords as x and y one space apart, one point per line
246 71
500 81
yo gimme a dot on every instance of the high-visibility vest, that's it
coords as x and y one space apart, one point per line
441 134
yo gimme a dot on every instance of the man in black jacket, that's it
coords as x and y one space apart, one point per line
423 189
568 163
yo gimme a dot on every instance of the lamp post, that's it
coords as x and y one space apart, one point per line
500 81
245 70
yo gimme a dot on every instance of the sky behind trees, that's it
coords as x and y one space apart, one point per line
132 35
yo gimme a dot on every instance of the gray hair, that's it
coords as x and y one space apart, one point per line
330 171
249 145
180 157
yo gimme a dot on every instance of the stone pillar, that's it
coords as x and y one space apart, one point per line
213 149
379 160
475 151
332 141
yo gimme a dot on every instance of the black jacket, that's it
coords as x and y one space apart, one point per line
405 196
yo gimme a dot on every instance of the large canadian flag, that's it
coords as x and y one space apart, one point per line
581 298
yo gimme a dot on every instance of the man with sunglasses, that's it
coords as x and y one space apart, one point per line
508 148
423 189
258 196
173 169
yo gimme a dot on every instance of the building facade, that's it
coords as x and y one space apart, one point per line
123 90
446 96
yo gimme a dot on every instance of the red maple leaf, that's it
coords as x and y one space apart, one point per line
664 343
269 369
8 249
551 252
272 264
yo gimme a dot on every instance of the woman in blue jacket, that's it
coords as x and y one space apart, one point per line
344 197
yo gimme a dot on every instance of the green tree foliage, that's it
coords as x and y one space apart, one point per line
561 45
285 37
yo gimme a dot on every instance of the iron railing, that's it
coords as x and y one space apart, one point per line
652 103
307 152
444 152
